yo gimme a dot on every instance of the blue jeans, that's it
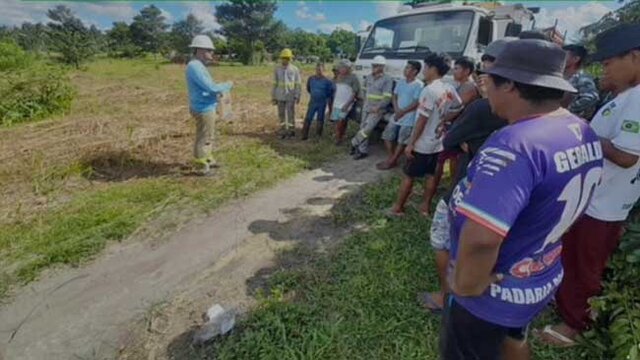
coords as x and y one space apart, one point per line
315 107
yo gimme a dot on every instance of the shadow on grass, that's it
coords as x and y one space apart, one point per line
314 234
122 166
316 152
350 299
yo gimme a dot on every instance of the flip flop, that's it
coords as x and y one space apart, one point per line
552 337
392 214
426 301
384 166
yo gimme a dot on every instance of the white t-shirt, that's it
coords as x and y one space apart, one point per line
343 93
435 101
618 121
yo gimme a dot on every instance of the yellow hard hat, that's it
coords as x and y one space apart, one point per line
286 53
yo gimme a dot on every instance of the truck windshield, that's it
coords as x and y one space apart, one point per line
412 36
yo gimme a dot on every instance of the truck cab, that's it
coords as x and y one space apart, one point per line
459 30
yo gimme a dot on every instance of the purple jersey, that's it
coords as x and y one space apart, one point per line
529 183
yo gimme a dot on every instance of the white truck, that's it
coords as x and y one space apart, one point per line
459 30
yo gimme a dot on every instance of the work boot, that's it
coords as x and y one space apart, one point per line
319 128
305 130
359 155
205 170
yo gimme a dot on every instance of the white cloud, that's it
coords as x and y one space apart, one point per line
364 24
328 27
301 3
388 8
320 17
168 17
303 13
114 11
15 12
204 12
572 18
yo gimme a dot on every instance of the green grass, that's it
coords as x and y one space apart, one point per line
355 302
81 228
89 217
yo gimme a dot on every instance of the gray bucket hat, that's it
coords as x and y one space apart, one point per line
495 47
533 62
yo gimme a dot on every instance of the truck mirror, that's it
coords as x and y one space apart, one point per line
513 29
358 43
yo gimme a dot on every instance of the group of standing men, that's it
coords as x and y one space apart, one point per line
539 195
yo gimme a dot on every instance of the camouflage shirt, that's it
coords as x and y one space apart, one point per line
586 100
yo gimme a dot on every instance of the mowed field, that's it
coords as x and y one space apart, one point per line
118 165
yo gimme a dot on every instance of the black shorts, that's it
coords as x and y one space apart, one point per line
422 165
464 336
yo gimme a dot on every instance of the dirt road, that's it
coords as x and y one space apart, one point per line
87 313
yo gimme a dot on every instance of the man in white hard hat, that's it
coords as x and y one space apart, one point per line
378 86
203 100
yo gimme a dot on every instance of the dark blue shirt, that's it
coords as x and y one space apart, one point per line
320 88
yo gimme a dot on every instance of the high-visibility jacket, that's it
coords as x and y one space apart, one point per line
287 84
378 91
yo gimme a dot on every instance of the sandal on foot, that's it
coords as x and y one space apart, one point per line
392 214
550 336
426 301
385 166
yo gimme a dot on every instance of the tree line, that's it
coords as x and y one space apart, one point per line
249 33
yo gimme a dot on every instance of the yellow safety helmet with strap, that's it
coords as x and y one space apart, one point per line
286 54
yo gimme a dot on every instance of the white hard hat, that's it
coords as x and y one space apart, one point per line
379 60
344 63
202 42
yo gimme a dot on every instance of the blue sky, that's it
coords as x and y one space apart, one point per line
316 16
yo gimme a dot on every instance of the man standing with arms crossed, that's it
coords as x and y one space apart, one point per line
528 184
593 239
203 99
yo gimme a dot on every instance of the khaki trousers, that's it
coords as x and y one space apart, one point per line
205 136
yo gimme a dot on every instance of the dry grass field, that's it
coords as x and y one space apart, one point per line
121 158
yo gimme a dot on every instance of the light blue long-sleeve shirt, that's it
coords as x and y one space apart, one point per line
203 90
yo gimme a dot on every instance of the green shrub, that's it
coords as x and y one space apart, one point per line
32 93
12 57
616 334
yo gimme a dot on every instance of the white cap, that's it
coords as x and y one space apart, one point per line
379 60
202 42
